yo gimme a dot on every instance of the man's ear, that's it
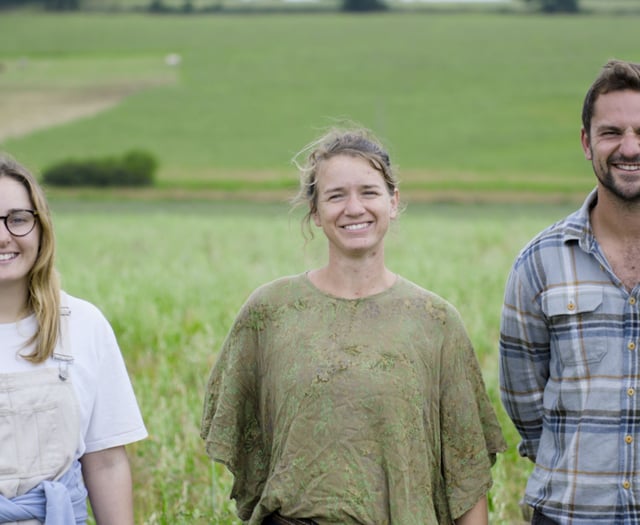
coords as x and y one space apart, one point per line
586 144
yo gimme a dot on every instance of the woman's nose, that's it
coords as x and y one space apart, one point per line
5 236
354 205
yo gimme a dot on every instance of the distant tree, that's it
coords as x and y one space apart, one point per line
363 5
62 5
16 3
556 6
157 6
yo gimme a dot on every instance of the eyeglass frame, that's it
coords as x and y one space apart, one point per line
5 217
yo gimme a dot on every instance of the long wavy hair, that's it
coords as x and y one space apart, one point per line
43 297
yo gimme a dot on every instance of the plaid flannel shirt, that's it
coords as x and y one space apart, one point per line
569 376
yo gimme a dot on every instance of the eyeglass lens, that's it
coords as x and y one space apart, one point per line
20 222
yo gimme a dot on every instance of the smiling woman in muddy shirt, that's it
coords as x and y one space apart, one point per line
348 394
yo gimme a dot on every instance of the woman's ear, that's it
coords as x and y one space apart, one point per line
395 201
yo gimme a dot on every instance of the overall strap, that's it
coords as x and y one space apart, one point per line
63 353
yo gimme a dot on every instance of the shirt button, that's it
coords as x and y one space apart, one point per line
571 306
626 484
631 346
628 440
630 391
632 300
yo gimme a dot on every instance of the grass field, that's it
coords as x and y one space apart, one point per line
483 103
473 106
171 276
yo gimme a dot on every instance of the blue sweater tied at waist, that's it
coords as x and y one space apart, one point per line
61 502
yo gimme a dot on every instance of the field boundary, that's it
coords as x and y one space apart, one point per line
284 196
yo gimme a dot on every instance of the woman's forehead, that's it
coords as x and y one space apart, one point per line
13 194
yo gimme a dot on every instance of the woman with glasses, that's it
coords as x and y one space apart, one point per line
67 408
348 394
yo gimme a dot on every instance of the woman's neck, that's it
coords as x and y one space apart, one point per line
352 281
13 303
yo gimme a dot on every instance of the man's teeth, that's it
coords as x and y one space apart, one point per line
629 167
6 256
360 226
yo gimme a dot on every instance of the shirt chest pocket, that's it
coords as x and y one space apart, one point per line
576 323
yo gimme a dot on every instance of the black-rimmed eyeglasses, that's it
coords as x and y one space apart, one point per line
20 222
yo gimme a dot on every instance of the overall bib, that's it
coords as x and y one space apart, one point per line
40 430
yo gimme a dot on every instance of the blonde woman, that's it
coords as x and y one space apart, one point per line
348 394
67 408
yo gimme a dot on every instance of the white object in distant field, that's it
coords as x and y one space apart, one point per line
173 59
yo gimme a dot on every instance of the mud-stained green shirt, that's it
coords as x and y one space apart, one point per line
353 411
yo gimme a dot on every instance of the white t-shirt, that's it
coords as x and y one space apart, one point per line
109 413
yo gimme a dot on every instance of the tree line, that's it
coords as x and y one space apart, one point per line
52 5
547 6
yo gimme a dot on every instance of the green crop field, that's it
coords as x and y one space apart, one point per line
172 275
477 103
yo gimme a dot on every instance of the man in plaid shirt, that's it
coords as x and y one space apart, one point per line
569 364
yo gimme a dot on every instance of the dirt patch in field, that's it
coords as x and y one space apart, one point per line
28 111
40 92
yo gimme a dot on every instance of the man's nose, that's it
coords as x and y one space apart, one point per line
630 144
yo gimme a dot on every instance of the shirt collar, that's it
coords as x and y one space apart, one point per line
578 224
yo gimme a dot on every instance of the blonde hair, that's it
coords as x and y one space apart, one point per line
43 297
357 142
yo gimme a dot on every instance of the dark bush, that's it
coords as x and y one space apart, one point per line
560 6
157 6
135 168
360 6
556 6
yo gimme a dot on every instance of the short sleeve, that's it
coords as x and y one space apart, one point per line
110 413
116 418
471 434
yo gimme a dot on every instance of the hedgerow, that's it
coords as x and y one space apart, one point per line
134 168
